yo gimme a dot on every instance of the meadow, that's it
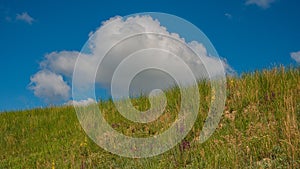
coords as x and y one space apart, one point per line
259 128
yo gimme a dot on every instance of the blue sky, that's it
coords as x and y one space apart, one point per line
251 35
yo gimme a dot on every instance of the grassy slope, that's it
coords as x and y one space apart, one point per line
260 128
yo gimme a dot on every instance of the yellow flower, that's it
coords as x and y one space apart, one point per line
85 140
213 95
53 164
84 144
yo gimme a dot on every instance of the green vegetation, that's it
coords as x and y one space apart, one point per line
260 128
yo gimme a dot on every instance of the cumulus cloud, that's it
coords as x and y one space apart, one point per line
296 56
261 3
49 86
86 102
25 17
62 62
112 34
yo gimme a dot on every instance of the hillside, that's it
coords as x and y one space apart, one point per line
260 128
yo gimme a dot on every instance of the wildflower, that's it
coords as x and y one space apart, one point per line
115 125
84 144
213 95
53 164
185 145
85 140
84 148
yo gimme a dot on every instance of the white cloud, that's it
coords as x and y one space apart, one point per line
60 62
116 29
296 56
261 3
49 86
25 17
81 102
228 15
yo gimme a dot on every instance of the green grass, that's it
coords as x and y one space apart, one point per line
259 129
